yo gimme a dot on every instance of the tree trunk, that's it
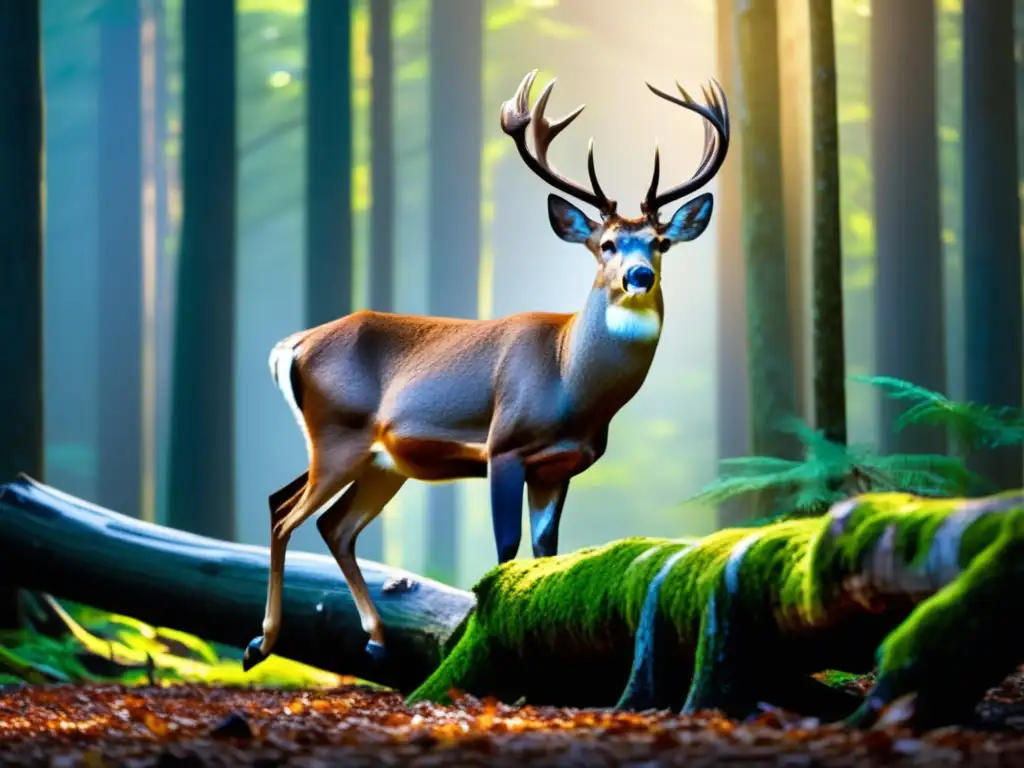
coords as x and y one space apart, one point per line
732 365
201 493
382 170
1018 36
155 353
166 258
771 370
119 198
382 159
992 253
827 252
795 128
21 243
910 331
49 541
328 161
772 386
456 136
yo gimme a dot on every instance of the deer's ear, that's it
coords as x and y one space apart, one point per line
691 219
569 222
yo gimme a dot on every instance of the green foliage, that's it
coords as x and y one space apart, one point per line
830 472
68 643
969 425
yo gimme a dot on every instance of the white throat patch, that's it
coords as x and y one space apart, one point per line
632 324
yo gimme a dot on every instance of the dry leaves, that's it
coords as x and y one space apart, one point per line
113 725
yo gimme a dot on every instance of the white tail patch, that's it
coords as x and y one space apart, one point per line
632 324
282 358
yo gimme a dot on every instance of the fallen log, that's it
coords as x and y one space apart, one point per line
924 587
742 617
52 542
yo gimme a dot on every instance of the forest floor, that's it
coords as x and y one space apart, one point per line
94 726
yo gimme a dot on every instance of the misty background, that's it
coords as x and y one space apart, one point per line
663 446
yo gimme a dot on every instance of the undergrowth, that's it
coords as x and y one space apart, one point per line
829 472
63 642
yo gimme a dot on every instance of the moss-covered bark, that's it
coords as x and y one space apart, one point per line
960 641
755 612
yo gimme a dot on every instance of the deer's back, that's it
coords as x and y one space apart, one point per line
426 374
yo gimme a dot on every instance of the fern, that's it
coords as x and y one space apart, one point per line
969 425
830 472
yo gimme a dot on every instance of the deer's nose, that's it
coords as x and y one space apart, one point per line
638 279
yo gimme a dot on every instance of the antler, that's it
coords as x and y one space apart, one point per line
716 145
515 117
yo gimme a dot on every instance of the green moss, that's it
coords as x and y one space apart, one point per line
854 529
934 653
816 591
570 600
933 624
467 667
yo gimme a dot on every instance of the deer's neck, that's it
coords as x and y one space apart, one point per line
608 351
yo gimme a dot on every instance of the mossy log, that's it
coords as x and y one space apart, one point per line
52 542
925 588
747 616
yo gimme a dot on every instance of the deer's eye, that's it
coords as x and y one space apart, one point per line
608 246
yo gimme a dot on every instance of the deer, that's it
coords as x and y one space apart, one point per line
524 401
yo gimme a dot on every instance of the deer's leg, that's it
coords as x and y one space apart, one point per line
546 501
281 502
284 498
507 476
337 461
340 526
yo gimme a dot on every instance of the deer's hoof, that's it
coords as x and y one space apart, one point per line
376 650
253 654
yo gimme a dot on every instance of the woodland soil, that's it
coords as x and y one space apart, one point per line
190 725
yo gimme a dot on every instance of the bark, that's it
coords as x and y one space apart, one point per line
201 476
727 621
21 249
992 252
328 162
827 253
456 139
909 327
732 365
772 382
49 541
119 199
